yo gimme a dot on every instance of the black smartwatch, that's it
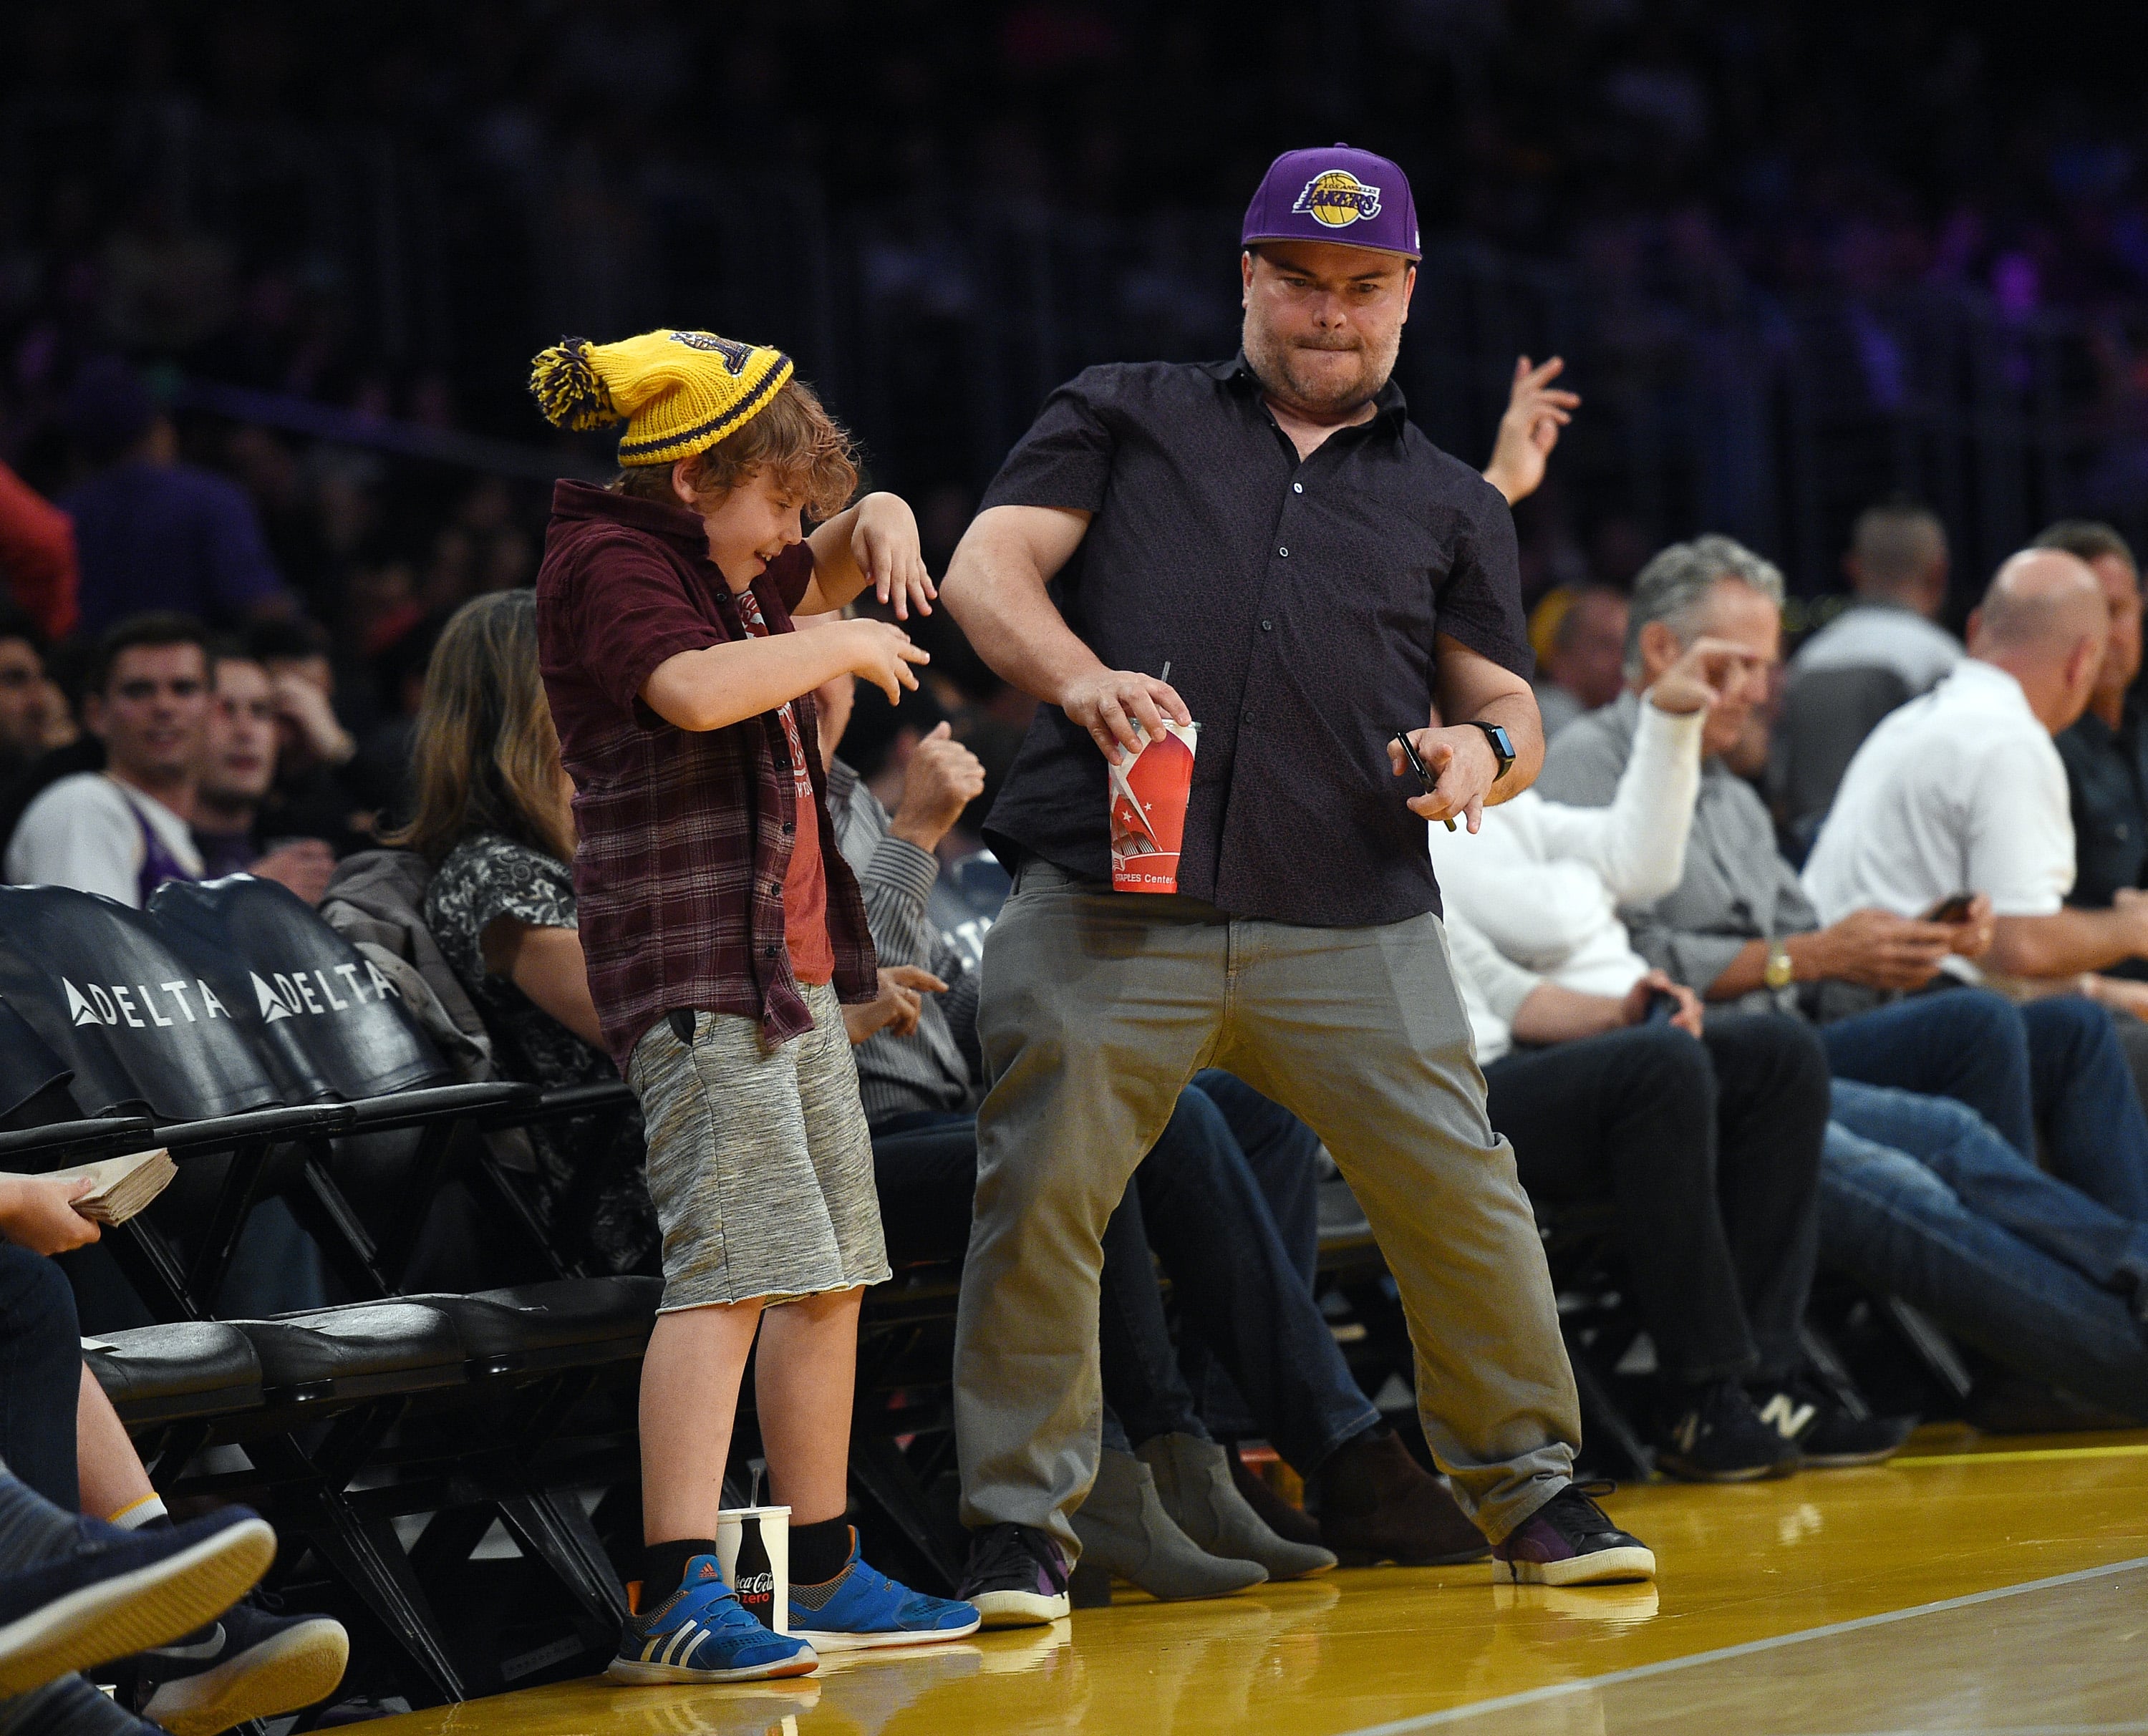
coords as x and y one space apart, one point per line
1502 745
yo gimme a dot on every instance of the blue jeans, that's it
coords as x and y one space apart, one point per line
2054 1063
1197 1204
1240 1295
1891 1219
40 1375
2107 1246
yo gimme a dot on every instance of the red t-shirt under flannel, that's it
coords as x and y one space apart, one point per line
686 835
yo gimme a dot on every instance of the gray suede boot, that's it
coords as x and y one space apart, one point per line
1193 1482
1124 1530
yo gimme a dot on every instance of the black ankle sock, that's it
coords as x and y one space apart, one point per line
818 1551
663 1566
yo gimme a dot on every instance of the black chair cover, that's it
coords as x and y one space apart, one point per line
328 1025
140 1028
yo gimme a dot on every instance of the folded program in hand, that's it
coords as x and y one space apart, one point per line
124 1185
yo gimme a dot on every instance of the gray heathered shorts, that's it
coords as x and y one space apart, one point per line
759 1159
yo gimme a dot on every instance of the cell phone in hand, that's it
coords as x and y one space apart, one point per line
1951 909
1417 765
1660 1008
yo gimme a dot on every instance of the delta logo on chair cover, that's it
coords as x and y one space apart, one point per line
293 994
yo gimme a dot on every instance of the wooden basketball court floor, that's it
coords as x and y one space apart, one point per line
1980 1585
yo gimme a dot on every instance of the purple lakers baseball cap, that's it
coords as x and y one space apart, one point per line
1337 194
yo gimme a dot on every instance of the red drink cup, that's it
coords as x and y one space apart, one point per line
1148 796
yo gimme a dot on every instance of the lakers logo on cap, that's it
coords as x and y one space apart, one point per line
1337 198
734 355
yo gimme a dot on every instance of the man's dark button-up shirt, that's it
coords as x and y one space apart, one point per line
2107 781
1295 601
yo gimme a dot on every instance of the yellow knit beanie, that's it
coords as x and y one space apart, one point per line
679 393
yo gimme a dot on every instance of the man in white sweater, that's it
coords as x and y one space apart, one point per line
1709 1149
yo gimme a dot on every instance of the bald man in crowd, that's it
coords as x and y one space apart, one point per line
1963 791
1897 567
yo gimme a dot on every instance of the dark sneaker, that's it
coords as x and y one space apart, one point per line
1714 1435
114 1591
1016 1577
1570 1541
254 1662
1824 1431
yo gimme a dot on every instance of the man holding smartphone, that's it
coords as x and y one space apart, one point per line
1317 572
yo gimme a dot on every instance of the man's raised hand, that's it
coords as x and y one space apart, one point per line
1696 681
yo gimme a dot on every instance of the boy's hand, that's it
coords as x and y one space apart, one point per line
881 652
883 543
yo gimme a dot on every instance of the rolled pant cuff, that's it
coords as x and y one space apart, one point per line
1515 1514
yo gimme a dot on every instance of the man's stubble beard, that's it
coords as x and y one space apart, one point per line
1272 359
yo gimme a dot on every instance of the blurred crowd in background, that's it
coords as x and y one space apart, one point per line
270 278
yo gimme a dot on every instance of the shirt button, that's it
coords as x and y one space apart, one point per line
1298 488
1285 552
1267 626
768 952
775 889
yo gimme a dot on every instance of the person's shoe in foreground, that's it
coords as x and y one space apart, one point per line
701 1632
1713 1434
1570 1541
862 1607
253 1663
1017 1578
1378 1503
1824 1431
96 1591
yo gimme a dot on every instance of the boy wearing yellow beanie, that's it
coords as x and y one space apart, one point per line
722 933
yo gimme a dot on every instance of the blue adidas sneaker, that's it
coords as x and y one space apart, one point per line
862 1607
701 1632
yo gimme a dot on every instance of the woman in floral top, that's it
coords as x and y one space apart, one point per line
495 820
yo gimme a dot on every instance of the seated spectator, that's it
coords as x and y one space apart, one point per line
124 831
1710 1150
1963 791
1897 566
494 819
151 532
25 694
2105 751
319 791
1585 666
1197 1200
238 763
59 1434
1739 926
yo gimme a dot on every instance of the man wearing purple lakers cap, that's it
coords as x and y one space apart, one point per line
1318 575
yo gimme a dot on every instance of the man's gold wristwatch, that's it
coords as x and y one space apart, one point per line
1780 972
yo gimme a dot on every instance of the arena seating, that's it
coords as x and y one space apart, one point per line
270 1060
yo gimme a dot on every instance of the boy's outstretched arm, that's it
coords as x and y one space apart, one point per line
723 684
873 541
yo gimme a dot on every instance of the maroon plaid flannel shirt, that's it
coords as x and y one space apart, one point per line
684 834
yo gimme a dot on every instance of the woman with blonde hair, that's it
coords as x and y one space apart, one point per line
495 819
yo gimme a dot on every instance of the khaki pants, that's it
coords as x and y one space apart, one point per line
1098 1008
